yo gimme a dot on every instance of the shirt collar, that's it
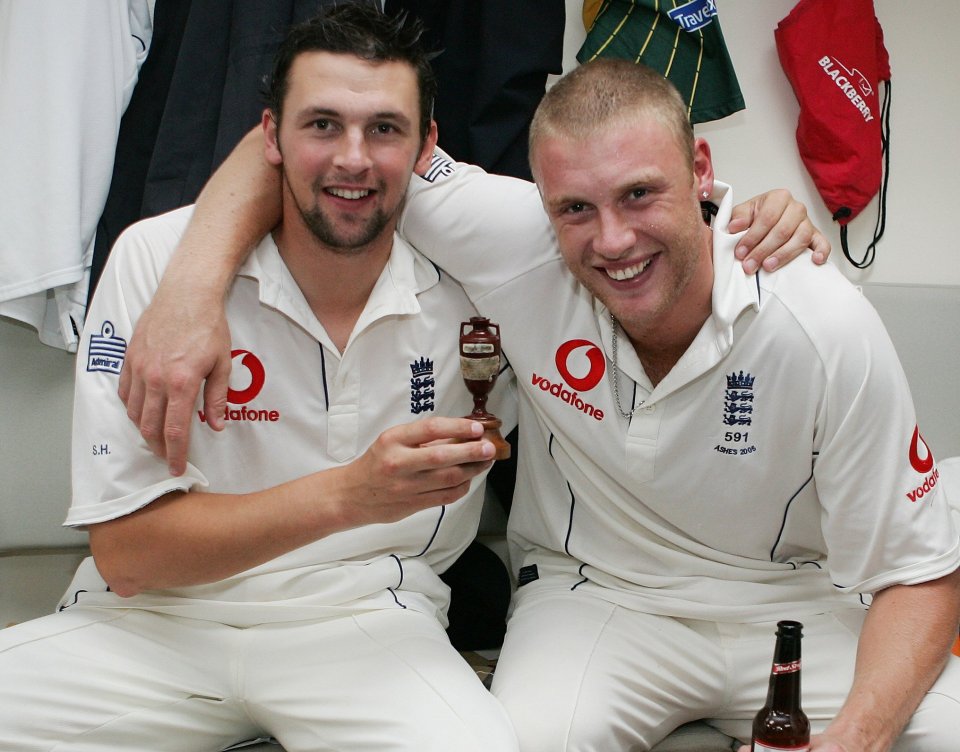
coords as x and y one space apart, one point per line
406 274
733 289
733 293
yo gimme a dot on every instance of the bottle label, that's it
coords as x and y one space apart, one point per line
761 747
786 668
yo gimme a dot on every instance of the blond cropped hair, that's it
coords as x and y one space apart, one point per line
606 92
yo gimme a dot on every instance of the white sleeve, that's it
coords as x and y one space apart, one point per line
482 229
114 472
886 519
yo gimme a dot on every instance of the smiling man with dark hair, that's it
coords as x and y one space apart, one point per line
287 583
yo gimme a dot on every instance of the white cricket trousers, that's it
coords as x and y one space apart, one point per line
580 674
94 680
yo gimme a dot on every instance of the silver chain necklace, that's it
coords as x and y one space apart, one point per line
616 376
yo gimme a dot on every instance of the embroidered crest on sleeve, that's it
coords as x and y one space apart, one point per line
439 167
105 351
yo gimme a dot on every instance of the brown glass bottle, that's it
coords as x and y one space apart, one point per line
781 724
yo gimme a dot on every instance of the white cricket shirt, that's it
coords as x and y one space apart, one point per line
296 406
776 469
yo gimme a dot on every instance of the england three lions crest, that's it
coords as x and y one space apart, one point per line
422 383
738 400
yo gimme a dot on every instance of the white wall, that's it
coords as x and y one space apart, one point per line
757 147
754 149
36 401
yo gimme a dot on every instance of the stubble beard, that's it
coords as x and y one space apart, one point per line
339 236
326 231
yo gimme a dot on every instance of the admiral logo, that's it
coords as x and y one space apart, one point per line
106 352
422 385
694 15
241 397
439 167
579 353
849 80
922 465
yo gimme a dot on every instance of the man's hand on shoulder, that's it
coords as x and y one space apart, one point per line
778 230
176 345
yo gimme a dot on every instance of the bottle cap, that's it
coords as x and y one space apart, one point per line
789 629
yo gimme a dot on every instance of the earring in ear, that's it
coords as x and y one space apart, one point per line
705 194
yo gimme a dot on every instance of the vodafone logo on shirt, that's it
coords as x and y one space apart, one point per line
249 373
258 375
579 350
921 460
581 365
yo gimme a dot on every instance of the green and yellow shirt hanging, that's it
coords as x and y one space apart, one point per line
681 40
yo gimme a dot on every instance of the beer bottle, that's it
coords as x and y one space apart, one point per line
781 724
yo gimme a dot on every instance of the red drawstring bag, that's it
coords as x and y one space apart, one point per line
833 54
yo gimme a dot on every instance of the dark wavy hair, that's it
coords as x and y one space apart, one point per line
362 30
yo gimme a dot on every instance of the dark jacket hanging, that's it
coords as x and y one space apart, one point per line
492 72
198 94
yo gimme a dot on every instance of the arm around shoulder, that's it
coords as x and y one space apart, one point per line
183 337
481 228
777 231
